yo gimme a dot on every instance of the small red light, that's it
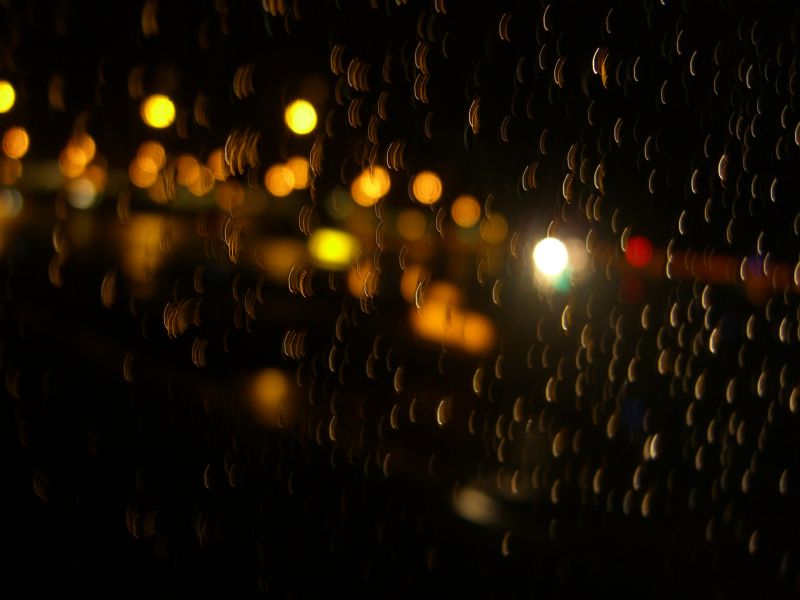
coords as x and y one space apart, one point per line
639 251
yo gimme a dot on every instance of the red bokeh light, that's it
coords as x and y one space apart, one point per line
639 251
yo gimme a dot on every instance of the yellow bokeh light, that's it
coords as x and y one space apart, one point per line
271 394
158 111
279 180
7 96
216 162
142 250
16 142
203 183
371 185
301 117
466 211
441 320
142 172
83 143
411 224
494 229
362 281
298 165
411 278
72 161
152 156
188 169
426 187
332 249
97 175
79 152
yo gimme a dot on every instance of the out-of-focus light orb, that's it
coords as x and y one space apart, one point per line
639 251
371 185
85 144
550 256
16 142
301 117
426 187
494 229
187 169
298 165
411 224
216 162
158 111
466 211
7 96
332 249
81 193
10 203
203 183
279 180
142 172
152 156
270 395
97 174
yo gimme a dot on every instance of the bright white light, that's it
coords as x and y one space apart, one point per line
550 256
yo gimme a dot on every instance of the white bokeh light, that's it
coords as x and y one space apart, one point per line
550 256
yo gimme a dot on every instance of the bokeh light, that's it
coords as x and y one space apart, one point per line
550 256
158 111
16 142
7 96
466 211
411 224
298 165
494 229
10 203
639 251
371 185
216 162
187 169
426 187
332 248
301 117
270 396
279 180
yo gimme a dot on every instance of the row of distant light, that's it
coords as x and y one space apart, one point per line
550 255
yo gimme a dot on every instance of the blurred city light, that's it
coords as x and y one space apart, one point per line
371 185
81 193
332 248
158 111
279 180
466 211
494 229
301 117
426 187
7 96
550 257
270 396
16 142
10 203
639 251
411 224
298 165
